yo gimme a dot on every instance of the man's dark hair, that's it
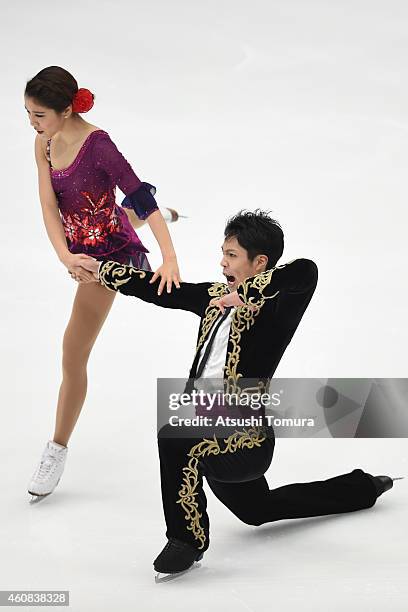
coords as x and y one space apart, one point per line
257 233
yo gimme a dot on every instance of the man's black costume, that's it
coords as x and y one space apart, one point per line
235 466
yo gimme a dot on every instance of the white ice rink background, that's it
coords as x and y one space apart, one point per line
298 107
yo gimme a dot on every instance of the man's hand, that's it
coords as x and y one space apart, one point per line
92 266
75 264
84 277
231 299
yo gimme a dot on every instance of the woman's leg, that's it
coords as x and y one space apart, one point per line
90 309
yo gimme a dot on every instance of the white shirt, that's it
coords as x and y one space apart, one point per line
214 368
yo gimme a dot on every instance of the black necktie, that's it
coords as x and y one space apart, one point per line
210 343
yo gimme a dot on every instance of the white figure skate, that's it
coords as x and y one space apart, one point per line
170 215
48 472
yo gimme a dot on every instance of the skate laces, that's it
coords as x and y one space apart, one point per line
47 465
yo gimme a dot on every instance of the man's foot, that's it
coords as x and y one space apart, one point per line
176 557
383 483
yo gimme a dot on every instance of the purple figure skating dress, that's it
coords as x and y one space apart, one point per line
93 223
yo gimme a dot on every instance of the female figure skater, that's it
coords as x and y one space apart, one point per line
78 169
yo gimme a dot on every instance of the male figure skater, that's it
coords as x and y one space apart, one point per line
261 306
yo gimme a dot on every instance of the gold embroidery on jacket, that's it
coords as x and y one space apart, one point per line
217 289
243 318
188 492
211 312
113 275
259 282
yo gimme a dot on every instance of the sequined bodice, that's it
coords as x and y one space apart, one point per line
67 171
86 192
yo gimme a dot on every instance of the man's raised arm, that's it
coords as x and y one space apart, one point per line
295 277
125 279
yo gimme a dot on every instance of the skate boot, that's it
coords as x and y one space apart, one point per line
176 557
383 483
48 472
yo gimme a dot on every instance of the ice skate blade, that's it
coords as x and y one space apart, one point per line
160 577
34 499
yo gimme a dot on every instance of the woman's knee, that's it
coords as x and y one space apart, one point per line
82 330
75 354
74 364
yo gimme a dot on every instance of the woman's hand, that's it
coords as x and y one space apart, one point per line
231 299
169 273
83 277
73 264
92 265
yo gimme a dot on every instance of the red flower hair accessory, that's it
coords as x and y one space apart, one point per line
83 101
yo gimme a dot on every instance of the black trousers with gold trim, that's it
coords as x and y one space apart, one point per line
234 468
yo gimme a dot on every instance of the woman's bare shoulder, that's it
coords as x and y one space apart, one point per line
40 147
94 128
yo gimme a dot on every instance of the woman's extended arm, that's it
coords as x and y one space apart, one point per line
139 197
52 219
135 221
168 271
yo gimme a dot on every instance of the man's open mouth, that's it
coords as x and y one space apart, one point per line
230 279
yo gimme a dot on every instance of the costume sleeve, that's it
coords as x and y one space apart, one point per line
296 277
193 297
142 201
139 195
